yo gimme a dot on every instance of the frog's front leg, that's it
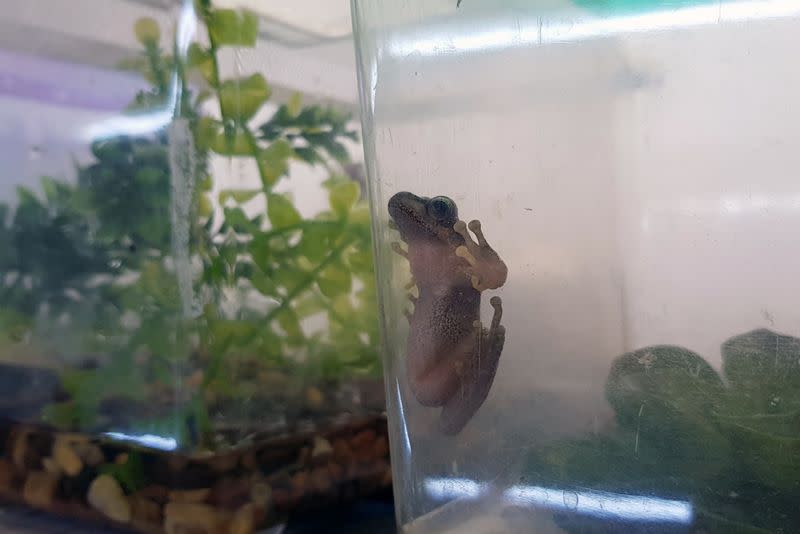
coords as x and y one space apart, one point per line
476 373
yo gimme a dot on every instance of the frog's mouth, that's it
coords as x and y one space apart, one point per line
409 213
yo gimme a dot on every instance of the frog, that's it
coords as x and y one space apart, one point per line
451 357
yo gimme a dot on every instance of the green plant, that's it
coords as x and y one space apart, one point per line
111 236
728 447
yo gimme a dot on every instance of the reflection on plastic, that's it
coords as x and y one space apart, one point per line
603 505
442 40
147 440
154 120
453 488
598 504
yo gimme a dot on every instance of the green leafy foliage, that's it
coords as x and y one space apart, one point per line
240 99
729 447
130 473
230 27
313 131
99 252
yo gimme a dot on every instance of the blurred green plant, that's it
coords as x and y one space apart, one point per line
729 447
101 249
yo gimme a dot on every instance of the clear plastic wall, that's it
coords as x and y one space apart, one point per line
188 332
634 166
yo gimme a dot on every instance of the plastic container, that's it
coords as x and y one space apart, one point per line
188 332
634 166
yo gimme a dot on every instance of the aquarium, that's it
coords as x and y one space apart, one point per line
188 321
614 345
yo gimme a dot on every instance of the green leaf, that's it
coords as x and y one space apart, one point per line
295 105
263 283
343 196
50 188
360 215
240 196
234 142
27 198
289 279
207 132
237 219
763 368
334 281
315 242
361 261
273 161
228 333
204 207
147 31
281 212
260 251
240 99
229 27
306 155
309 305
130 474
290 324
343 306
667 397
199 58
61 414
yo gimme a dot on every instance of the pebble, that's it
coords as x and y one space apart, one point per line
243 521
67 458
40 489
180 518
6 474
106 496
261 495
190 496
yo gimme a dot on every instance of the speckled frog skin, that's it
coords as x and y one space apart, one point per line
452 359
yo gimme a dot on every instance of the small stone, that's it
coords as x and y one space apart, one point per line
155 492
314 397
387 477
281 498
381 447
182 518
342 451
335 471
67 459
177 463
19 448
300 480
363 439
230 492
261 495
40 489
321 480
304 456
249 460
51 466
322 449
243 521
106 496
190 496
145 511
6 474
224 463
92 454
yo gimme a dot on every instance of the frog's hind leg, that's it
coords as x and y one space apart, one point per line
477 375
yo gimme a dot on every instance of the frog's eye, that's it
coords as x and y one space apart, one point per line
441 208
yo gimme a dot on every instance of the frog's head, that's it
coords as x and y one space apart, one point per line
421 217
